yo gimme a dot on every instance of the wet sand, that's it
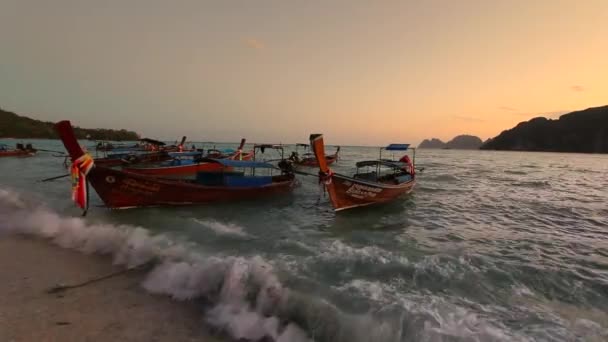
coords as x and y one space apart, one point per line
116 309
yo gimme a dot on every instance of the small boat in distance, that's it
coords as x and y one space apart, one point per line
386 181
309 158
237 154
20 150
120 190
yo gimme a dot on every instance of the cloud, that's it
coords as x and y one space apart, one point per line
577 88
254 43
467 118
507 108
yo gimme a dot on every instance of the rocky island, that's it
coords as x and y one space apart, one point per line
460 142
581 131
21 127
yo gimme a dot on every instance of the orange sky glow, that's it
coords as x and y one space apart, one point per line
361 72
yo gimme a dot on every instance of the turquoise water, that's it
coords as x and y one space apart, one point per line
490 246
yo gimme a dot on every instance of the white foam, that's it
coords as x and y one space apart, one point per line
338 249
370 289
222 228
246 300
180 273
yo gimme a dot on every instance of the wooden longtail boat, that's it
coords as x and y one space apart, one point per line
309 159
20 151
237 154
149 151
178 166
363 189
118 189
132 159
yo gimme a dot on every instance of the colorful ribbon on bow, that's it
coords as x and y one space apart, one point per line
79 171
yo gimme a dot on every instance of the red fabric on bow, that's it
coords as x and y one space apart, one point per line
79 170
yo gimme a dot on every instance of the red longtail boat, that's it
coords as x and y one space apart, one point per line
119 189
131 159
366 188
309 159
180 167
20 151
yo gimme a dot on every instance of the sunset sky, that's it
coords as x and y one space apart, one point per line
361 72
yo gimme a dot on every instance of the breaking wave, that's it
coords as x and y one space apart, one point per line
244 297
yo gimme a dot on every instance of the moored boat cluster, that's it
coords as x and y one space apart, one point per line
152 173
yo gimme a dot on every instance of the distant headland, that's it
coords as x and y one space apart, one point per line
581 131
461 142
21 127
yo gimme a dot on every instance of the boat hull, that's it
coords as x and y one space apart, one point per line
177 170
347 192
17 153
121 190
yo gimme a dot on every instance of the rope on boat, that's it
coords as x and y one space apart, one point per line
52 178
62 287
52 151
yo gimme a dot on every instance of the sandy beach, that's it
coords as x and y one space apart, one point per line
116 309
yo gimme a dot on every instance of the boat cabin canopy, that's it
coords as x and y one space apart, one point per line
397 147
184 154
229 177
394 172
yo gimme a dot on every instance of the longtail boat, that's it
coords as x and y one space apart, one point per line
20 151
108 146
189 163
148 151
237 154
119 189
131 159
309 158
386 181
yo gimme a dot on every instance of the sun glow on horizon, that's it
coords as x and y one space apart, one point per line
365 73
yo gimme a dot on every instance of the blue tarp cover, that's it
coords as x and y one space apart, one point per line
239 181
397 147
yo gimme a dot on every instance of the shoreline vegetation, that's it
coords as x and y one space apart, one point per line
584 131
21 127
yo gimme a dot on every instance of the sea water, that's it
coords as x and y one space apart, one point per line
490 246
